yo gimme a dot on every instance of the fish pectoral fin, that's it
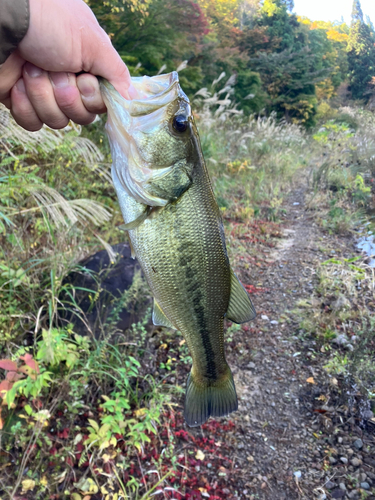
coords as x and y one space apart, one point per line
159 318
240 308
138 221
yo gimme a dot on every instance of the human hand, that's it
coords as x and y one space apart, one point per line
38 82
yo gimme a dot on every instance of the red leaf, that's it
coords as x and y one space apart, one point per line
13 376
29 361
7 364
5 386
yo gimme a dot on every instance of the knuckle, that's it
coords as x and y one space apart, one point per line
57 123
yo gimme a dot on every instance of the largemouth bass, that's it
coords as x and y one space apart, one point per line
176 232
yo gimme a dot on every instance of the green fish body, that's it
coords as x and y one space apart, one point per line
176 232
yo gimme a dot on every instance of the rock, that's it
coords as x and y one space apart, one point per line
365 486
340 340
251 365
332 460
330 485
358 443
355 462
265 317
298 474
342 486
353 494
339 440
368 415
362 477
338 493
109 280
274 322
344 460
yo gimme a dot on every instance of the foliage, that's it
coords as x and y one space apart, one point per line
361 54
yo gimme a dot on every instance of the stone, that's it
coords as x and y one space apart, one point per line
355 462
368 415
330 485
338 493
358 443
342 486
365 486
109 279
344 460
340 340
353 494
332 460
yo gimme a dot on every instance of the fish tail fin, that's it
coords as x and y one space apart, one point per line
215 399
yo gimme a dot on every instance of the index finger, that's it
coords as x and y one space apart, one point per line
10 73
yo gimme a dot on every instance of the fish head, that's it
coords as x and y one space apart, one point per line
149 135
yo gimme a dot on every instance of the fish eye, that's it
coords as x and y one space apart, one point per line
180 123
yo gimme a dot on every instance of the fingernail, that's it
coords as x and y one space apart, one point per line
33 71
59 80
20 86
133 94
85 88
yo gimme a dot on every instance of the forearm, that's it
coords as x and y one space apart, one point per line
14 23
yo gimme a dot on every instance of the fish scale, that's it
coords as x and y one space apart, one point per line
176 232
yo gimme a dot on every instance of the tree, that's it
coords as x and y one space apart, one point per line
361 54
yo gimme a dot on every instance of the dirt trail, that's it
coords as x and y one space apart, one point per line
279 449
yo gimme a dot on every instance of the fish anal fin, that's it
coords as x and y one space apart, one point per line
159 318
138 221
204 400
240 308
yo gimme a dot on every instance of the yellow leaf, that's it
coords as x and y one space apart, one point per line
27 485
310 380
106 458
199 455
182 342
43 481
140 412
75 496
103 489
163 346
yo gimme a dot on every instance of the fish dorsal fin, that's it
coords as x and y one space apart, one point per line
240 308
159 318
138 221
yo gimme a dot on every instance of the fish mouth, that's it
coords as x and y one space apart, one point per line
128 120
153 93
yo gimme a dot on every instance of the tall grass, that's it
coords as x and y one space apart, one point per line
252 160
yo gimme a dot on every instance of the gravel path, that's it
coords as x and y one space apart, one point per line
287 444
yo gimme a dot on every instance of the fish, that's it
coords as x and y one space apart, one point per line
176 232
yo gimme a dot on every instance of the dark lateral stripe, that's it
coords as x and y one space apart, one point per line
194 289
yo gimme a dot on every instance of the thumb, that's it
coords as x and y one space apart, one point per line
107 63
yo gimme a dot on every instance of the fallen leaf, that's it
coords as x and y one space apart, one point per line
199 455
27 485
43 481
310 380
182 342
